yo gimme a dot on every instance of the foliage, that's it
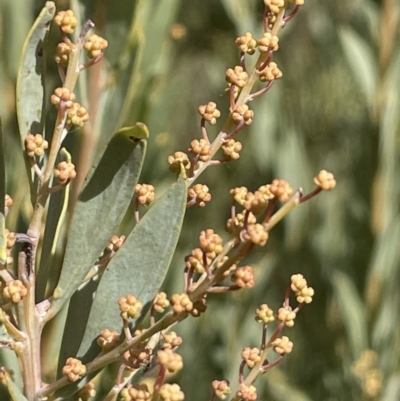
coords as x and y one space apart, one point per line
336 108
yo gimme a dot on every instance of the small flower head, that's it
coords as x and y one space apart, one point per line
297 2
88 391
237 76
281 190
232 226
299 286
177 160
115 243
95 46
199 307
286 316
268 42
325 180
136 392
66 21
62 95
282 345
63 50
77 115
200 193
195 260
209 112
246 43
274 5
210 242
138 355
255 202
243 113
255 233
251 356
239 194
15 291
74 369
231 149
170 360
65 171
108 340
160 302
270 73
202 148
8 200
171 392
264 314
145 193
221 388
246 393
172 340
130 307
181 303
243 277
35 145
10 238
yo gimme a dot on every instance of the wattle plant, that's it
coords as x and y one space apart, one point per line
82 313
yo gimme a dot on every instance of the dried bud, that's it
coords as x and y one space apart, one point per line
274 5
281 189
62 95
256 233
136 392
286 315
170 360
63 50
181 303
246 393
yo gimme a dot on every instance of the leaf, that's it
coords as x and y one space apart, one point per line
30 90
140 265
3 239
100 209
362 60
15 392
353 312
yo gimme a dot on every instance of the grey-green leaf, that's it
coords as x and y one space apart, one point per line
100 209
139 267
30 91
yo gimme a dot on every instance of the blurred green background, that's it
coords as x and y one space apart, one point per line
337 107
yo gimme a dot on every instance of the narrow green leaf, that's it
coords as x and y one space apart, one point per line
30 90
362 61
99 210
353 313
139 267
15 392
3 240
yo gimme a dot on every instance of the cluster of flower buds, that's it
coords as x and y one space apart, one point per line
74 369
